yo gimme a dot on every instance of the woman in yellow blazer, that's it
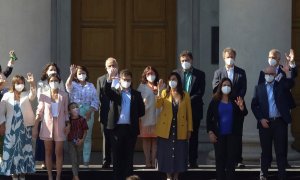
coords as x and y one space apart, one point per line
173 128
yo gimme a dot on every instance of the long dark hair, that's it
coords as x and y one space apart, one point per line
179 87
44 73
218 94
144 75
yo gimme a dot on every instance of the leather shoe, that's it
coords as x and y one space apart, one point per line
193 165
106 165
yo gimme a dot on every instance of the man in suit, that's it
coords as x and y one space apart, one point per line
272 111
193 81
239 87
123 120
103 113
274 60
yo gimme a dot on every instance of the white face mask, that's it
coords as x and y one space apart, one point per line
229 61
226 89
272 62
81 77
49 73
125 84
53 85
269 78
186 65
151 78
173 84
19 87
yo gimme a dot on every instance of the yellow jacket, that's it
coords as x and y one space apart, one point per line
184 116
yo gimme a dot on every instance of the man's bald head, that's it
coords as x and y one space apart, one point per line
271 70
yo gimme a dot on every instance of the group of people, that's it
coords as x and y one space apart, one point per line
166 115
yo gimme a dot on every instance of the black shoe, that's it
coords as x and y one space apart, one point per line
193 165
240 165
106 165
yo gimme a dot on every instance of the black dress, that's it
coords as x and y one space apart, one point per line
172 154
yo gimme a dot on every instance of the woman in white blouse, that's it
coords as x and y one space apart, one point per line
148 89
85 95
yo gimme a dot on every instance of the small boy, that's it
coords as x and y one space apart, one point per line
76 137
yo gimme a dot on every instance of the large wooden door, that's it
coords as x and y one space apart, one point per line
296 89
137 33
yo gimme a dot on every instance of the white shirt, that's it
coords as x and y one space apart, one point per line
230 73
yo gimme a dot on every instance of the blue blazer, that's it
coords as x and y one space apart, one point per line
260 104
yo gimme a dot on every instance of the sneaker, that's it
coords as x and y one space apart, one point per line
240 165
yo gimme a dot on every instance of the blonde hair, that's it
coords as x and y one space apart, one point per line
229 50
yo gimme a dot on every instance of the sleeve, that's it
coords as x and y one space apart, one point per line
111 94
141 105
3 109
261 78
70 88
66 110
243 89
201 90
255 106
39 89
189 112
159 102
7 71
215 81
210 117
62 86
41 106
95 101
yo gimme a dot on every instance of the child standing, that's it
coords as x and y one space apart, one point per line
76 137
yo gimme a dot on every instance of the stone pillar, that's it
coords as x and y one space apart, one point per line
253 28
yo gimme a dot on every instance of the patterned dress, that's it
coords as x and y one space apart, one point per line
17 151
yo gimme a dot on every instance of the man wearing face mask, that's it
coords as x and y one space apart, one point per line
239 87
193 81
274 60
271 109
110 63
123 120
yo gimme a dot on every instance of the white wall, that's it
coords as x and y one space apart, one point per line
26 27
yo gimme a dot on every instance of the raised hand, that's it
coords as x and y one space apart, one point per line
30 78
290 57
73 68
240 102
112 73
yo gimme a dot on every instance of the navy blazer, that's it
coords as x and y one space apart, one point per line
294 73
104 100
213 118
260 104
137 108
239 81
197 91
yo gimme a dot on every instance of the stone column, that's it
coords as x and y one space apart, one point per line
253 28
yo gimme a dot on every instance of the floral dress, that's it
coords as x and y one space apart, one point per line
17 151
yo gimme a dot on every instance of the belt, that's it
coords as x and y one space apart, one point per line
275 118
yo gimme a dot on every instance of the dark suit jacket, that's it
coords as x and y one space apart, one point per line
260 105
239 81
137 108
212 118
196 93
104 100
294 74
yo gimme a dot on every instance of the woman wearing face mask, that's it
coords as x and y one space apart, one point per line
85 95
223 127
42 87
53 110
18 118
173 128
148 89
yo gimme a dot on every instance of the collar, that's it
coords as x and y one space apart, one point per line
272 83
229 69
188 70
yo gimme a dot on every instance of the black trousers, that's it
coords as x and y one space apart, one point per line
123 143
106 144
276 133
193 142
225 153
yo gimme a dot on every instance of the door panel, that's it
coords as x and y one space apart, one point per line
137 33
